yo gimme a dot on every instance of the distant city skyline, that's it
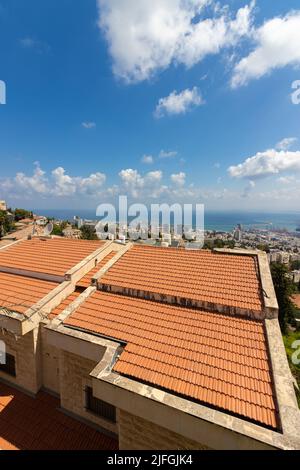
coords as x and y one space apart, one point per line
163 101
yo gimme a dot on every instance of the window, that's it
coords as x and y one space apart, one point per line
10 365
99 407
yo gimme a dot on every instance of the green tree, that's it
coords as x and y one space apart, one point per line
231 244
263 247
57 230
88 233
6 223
284 289
218 243
295 265
22 214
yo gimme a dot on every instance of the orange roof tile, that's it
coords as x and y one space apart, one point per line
217 360
51 256
64 304
198 275
19 293
86 280
28 423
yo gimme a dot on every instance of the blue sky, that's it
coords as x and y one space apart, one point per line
161 101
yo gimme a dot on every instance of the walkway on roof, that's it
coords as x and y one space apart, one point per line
28 423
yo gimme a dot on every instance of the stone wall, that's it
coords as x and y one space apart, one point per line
74 378
49 365
138 434
25 349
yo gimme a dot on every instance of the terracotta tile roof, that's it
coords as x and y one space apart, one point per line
217 360
86 280
53 256
19 293
64 304
198 275
37 424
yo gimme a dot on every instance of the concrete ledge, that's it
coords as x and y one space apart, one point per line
269 296
283 381
41 309
121 250
88 263
73 306
32 274
81 344
10 244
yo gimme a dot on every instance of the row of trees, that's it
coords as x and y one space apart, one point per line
284 288
6 223
10 217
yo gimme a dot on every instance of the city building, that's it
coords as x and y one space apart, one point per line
70 232
151 348
3 206
295 275
41 220
238 234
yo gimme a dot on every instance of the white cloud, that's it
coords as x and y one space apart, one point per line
179 178
37 183
277 45
168 154
147 159
57 184
179 103
263 164
248 189
136 185
286 179
147 36
88 125
64 185
153 176
286 143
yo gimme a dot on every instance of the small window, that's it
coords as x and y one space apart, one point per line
99 407
10 365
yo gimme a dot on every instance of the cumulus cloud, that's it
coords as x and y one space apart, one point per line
179 103
277 45
263 164
147 159
136 185
178 179
286 143
147 36
35 183
88 125
57 184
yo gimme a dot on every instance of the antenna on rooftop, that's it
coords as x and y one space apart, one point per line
48 230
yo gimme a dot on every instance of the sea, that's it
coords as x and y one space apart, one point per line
214 220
